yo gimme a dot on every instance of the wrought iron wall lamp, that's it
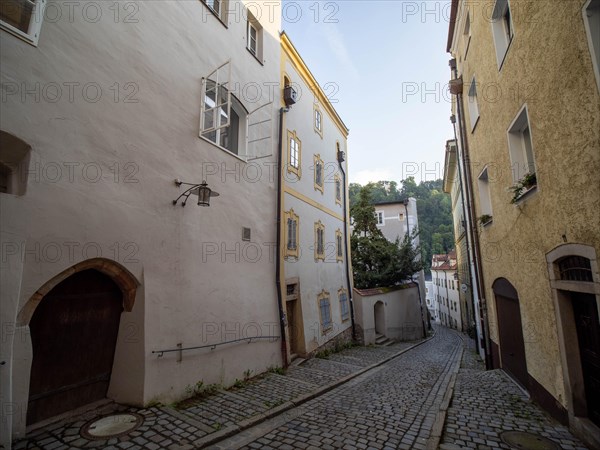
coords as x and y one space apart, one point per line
202 190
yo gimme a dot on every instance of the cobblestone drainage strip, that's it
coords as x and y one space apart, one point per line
521 439
111 426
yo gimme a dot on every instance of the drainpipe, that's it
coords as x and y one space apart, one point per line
474 236
464 207
340 158
284 355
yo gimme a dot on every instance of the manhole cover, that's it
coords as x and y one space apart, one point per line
115 425
520 439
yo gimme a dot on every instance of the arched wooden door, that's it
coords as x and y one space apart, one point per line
510 330
73 332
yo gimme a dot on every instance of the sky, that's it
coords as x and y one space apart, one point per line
383 64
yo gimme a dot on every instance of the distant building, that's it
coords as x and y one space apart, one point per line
527 123
432 305
444 276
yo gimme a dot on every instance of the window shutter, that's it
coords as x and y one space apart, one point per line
259 132
215 110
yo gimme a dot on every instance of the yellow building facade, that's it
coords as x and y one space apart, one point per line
527 96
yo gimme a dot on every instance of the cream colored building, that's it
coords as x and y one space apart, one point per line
527 87
103 107
315 269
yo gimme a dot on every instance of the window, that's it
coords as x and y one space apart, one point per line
521 146
23 18
380 217
254 37
325 311
294 153
485 201
344 306
338 190
219 9
339 242
292 232
319 241
575 268
467 33
473 105
502 29
318 173
591 14
318 118
14 164
226 123
291 289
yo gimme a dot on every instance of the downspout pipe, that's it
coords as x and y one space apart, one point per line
340 158
474 236
284 355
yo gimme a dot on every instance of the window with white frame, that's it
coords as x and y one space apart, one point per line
318 165
325 311
502 29
592 24
254 37
23 18
344 304
219 8
467 33
318 118
473 106
521 147
380 217
339 242
338 190
319 241
292 231
294 153
485 201
225 122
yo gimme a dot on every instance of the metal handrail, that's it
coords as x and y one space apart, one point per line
213 346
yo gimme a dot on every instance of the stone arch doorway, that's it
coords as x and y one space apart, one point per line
74 324
379 310
510 330
573 270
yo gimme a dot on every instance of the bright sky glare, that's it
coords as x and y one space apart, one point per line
384 65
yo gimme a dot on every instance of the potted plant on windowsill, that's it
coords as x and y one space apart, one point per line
485 219
524 185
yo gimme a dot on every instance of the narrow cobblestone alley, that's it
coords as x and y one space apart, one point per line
386 404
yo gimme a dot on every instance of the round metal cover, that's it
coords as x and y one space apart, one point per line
521 439
114 425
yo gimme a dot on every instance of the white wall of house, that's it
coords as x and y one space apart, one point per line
103 161
315 276
402 313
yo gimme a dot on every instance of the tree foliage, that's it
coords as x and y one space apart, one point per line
434 209
377 262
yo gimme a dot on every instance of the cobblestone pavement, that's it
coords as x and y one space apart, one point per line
392 406
487 403
185 426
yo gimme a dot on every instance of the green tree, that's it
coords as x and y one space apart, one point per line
377 262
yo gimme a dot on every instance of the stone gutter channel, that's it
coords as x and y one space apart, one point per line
225 433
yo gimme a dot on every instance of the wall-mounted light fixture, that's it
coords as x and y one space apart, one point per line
202 190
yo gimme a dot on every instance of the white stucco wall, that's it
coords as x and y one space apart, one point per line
101 181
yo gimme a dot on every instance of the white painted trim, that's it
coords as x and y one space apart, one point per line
35 27
595 63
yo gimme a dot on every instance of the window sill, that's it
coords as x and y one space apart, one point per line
489 222
501 64
254 56
475 125
19 34
229 152
214 13
525 194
